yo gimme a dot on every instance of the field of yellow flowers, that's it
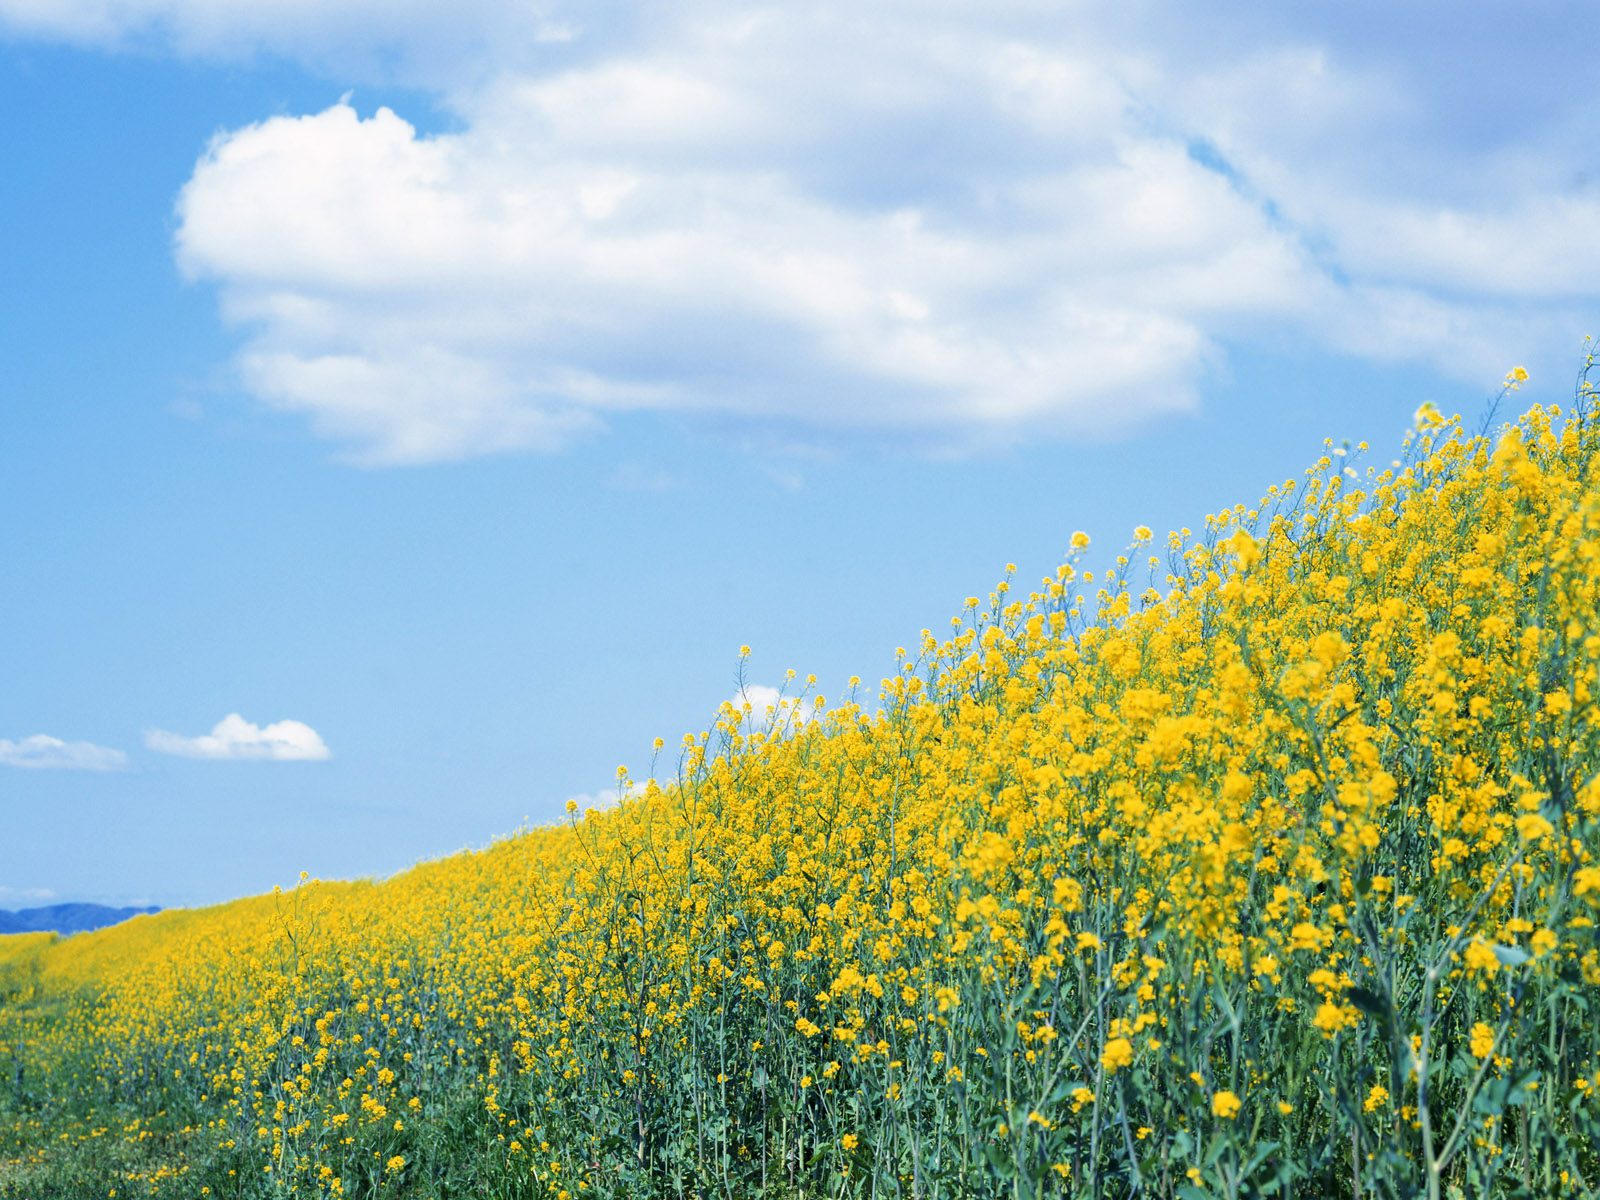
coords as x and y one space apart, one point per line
1264 865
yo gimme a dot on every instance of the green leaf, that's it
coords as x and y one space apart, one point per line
1491 1100
1522 1089
1510 956
1368 1002
1263 1152
999 1157
1219 1146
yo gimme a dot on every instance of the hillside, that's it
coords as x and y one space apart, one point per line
66 918
1264 865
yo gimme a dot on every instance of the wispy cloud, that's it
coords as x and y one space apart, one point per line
45 753
10 896
235 738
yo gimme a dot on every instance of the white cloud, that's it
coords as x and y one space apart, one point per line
764 707
435 297
45 753
598 801
935 224
25 896
234 738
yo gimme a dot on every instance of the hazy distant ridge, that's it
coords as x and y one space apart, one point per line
66 918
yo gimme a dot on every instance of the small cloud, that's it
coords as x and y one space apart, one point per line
234 737
24 896
768 706
603 799
45 753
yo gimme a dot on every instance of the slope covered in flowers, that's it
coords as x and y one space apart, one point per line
1278 880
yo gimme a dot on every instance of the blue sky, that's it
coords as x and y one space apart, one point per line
448 400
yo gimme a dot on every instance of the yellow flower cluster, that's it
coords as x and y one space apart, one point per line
1295 845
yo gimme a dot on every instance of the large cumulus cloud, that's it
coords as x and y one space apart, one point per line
943 224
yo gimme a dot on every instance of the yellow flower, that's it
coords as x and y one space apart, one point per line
1246 550
1118 1052
1482 1040
1531 827
848 1141
1324 980
1225 1105
1480 956
1306 936
1331 1018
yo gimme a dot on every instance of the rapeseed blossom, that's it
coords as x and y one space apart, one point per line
1293 841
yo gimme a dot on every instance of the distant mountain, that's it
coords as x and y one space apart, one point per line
66 918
